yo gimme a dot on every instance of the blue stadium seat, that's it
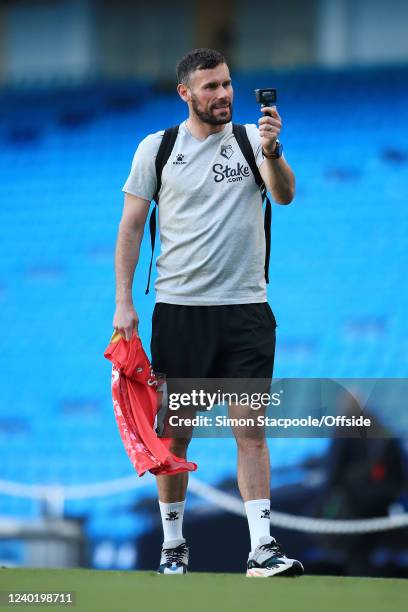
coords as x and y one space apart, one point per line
337 266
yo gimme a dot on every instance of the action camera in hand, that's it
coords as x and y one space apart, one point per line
266 97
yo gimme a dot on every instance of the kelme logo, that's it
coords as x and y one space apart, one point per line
179 160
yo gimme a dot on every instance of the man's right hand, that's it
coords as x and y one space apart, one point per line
126 320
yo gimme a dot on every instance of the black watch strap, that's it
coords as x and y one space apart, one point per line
277 153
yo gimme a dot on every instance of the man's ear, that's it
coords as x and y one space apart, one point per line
183 92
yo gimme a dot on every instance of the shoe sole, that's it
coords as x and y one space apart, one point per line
168 572
296 569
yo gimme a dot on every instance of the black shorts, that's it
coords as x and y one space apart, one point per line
231 341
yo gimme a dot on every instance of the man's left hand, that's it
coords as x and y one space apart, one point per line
269 128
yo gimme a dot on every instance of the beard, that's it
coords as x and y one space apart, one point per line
208 116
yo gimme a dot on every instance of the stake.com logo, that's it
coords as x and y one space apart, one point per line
231 174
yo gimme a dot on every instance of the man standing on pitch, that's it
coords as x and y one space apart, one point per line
211 318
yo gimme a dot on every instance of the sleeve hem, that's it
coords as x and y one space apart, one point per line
137 195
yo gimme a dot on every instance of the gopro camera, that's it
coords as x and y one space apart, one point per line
266 97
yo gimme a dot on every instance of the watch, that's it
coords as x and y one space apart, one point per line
277 153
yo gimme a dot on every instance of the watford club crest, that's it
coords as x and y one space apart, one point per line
226 151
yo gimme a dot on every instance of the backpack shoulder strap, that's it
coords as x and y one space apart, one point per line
163 154
242 139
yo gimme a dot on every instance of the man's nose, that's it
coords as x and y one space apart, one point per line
222 94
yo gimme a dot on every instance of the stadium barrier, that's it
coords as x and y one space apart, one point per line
56 495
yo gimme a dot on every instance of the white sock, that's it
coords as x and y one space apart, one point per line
258 512
172 520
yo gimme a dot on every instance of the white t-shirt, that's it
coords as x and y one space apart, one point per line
210 218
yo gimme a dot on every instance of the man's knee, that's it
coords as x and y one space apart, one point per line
251 443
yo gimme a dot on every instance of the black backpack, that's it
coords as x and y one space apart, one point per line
163 154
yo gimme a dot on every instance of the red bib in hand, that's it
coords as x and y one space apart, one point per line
136 403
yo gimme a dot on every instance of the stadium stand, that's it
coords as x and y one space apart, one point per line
337 267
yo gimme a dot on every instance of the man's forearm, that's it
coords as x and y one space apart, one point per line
126 258
279 180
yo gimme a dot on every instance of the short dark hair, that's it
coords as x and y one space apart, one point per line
198 59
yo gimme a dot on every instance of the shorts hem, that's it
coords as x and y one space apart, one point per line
188 301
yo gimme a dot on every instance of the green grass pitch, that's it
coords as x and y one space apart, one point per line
114 591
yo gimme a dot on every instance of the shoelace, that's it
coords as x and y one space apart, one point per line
273 547
173 555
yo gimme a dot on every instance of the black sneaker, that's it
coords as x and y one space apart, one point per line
268 559
174 558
